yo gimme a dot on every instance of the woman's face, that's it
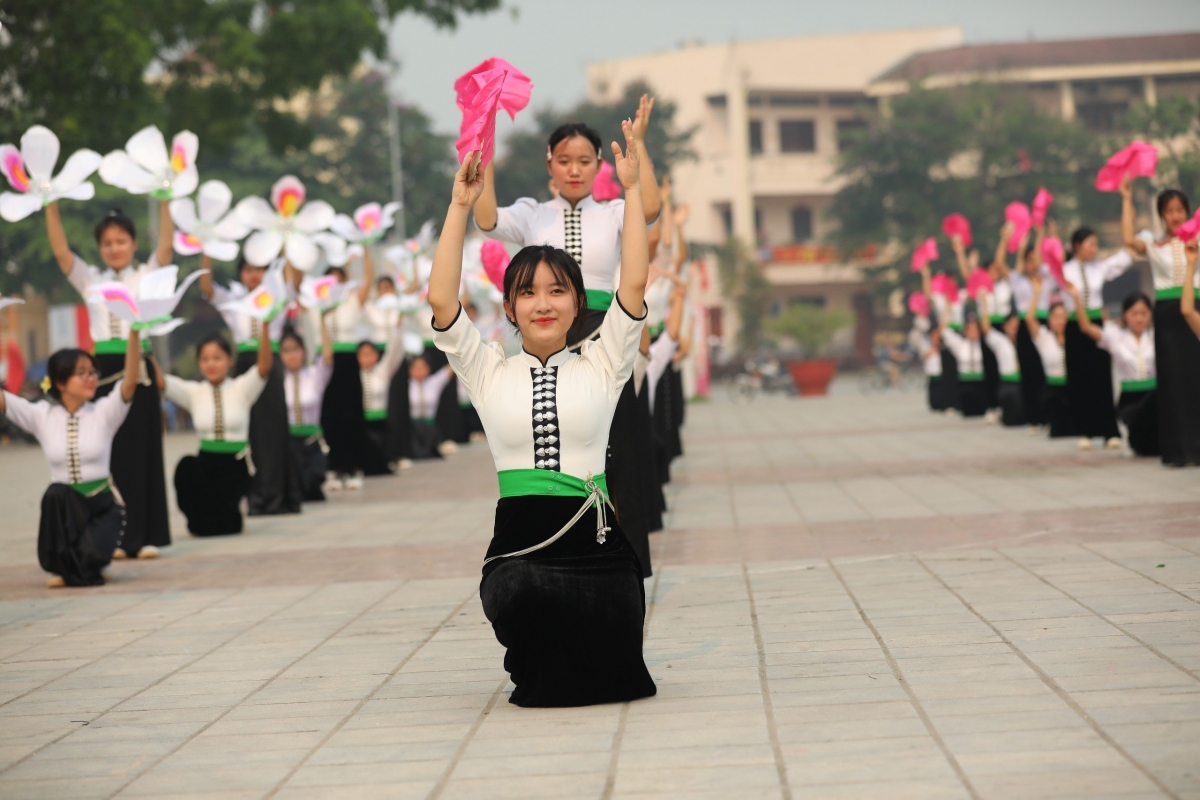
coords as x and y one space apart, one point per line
339 272
1137 318
545 311
419 369
1058 320
368 356
81 386
117 247
214 363
573 166
385 286
292 355
971 331
1031 262
251 275
1174 214
1088 249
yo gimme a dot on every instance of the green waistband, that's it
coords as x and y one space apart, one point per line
305 431
374 415
955 326
426 420
91 488
251 346
657 328
116 347
1173 293
997 319
1011 377
598 300
970 376
1139 386
1056 380
222 446
1094 314
518 482
345 347
428 343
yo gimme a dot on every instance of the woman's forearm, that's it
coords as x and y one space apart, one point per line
485 207
58 239
446 274
166 233
635 255
265 356
133 366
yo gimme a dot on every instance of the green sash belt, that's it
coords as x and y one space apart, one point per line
222 446
426 420
598 300
970 376
428 343
997 319
92 488
657 328
305 431
1011 377
345 347
1173 293
955 326
251 346
519 482
1139 386
1054 380
374 415
117 347
1094 314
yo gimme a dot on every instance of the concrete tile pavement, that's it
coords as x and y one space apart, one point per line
853 598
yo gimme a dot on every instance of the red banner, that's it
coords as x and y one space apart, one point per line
817 254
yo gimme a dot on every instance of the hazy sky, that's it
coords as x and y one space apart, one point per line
553 40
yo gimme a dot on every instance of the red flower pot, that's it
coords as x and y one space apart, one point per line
812 378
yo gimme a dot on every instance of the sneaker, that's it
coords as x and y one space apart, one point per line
405 463
55 582
354 483
1084 443
119 555
448 447
1113 443
148 551
332 483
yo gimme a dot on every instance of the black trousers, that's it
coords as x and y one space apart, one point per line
973 398
77 535
1056 409
1139 413
1033 377
1089 386
209 487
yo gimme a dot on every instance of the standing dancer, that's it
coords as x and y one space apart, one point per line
342 417
1051 343
425 391
997 272
561 585
1009 409
304 388
274 487
1176 345
210 486
377 373
1187 302
1029 263
137 453
83 519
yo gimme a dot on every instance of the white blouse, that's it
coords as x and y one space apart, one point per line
658 301
661 352
1005 352
1167 261
1053 354
999 300
553 416
423 396
78 447
304 391
101 324
1022 290
345 322
931 360
1132 357
1090 278
377 379
382 321
968 353
244 328
219 413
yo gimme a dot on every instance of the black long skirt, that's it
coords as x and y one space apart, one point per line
77 535
570 615
1033 377
137 460
399 418
625 474
1177 356
1012 406
938 400
375 459
309 463
425 439
991 375
1090 386
1056 410
1138 411
209 487
451 421
678 407
972 398
342 416
950 379
275 486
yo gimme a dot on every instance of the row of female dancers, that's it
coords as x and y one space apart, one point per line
1038 351
566 411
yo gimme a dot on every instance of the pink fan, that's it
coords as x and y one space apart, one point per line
1017 214
478 130
918 304
1052 254
1190 229
979 279
1138 159
957 224
606 186
495 261
946 286
926 251
1041 204
514 95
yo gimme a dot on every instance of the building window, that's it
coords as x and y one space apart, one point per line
727 220
756 147
758 223
792 101
1101 117
716 100
797 136
802 224
848 132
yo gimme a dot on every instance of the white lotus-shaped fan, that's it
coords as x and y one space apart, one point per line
30 171
5 302
289 226
325 292
404 303
267 300
369 224
145 166
215 231
156 300
335 249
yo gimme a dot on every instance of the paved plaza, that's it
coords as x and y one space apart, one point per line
854 598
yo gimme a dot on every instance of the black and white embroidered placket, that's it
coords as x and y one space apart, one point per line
297 408
366 387
73 462
573 234
545 418
218 415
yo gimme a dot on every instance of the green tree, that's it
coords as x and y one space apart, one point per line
743 282
1174 124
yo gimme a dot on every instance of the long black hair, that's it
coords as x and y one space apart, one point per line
1133 299
1166 196
218 340
61 366
117 217
570 130
519 274
1081 235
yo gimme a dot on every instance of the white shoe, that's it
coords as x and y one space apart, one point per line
55 582
448 447
332 483
1033 430
1084 443
119 555
1114 443
354 483
951 412
991 417
478 436
148 551
405 463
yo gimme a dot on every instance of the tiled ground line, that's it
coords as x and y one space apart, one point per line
898 674
785 788
1116 625
440 786
1181 547
1098 554
358 707
1051 683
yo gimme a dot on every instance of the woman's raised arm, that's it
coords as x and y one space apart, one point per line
635 251
1128 218
446 274
58 239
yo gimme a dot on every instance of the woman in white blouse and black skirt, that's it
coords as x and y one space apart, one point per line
83 518
1050 340
304 390
561 585
209 486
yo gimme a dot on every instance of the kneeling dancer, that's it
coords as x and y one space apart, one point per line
561 585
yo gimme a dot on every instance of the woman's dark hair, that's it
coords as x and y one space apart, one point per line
570 130
386 279
218 340
114 217
1166 196
61 366
290 333
519 274
1054 305
339 270
1133 299
1081 235
367 343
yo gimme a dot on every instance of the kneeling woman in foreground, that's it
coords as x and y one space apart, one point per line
210 486
83 518
561 585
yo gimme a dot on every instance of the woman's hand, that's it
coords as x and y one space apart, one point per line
641 120
1126 188
628 165
468 182
681 215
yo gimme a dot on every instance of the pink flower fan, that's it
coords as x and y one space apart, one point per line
918 304
946 286
1052 255
1017 214
957 225
478 131
1189 230
606 186
978 280
514 94
1138 159
926 251
1041 204
495 261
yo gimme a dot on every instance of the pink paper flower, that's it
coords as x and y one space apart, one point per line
946 286
1138 159
481 91
606 186
495 260
926 251
957 224
1189 230
979 279
1052 255
918 304
1041 204
1018 215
